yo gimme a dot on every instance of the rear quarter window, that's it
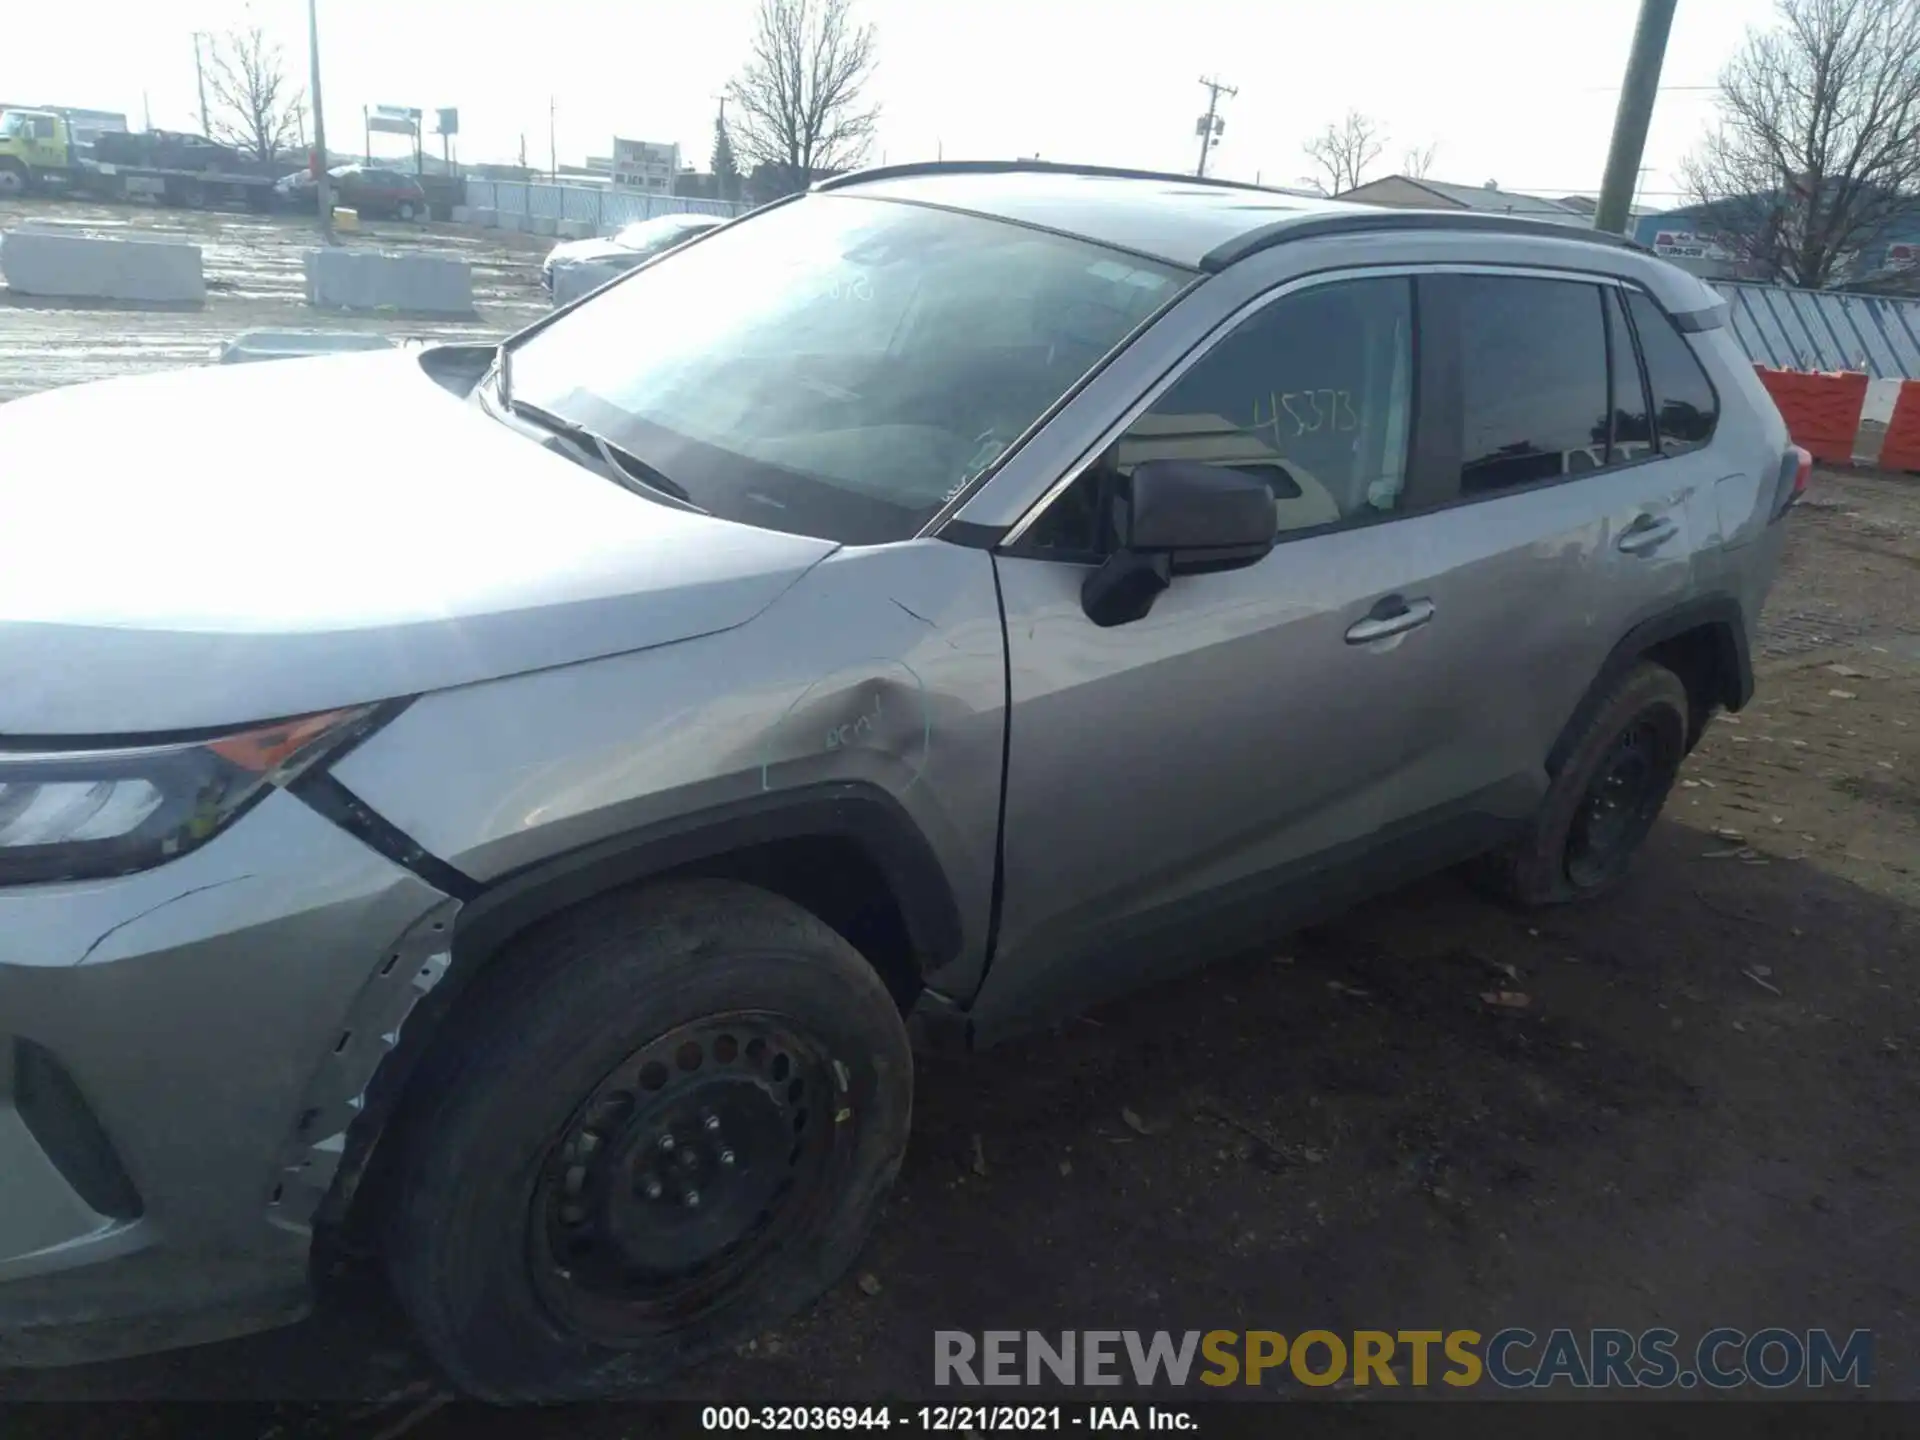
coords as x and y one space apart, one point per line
1685 409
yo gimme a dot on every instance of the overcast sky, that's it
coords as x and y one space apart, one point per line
1518 91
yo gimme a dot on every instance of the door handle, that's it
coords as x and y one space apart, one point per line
1646 534
1392 616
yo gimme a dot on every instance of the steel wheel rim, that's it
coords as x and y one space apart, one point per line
699 1155
1621 801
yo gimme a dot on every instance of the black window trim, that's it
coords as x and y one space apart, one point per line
1681 332
1433 430
1615 302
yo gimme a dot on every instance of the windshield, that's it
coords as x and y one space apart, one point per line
839 367
16 126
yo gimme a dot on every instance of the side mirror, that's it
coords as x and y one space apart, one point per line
1181 518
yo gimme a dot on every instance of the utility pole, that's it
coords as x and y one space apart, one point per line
553 148
200 75
322 181
1210 124
1630 121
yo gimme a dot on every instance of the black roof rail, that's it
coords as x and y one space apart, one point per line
1038 167
1364 222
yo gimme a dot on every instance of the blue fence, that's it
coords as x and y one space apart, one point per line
604 208
1825 329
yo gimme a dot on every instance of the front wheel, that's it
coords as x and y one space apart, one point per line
406 211
659 1125
1602 804
14 178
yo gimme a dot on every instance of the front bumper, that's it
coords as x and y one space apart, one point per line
176 1052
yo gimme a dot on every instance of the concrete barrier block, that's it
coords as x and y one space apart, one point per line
544 225
462 215
515 223
576 229
345 279
86 267
486 218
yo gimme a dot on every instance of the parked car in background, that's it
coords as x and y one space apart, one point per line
373 192
574 267
956 595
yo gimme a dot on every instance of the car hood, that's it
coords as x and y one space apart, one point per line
583 252
213 546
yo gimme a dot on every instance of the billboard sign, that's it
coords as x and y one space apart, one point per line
645 165
1687 245
394 120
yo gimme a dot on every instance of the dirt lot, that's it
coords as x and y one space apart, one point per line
254 281
1700 1112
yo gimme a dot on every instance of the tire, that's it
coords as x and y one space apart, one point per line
406 211
515 1247
1560 860
13 179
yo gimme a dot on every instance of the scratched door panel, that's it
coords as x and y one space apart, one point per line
883 665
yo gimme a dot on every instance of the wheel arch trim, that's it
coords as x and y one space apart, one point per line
487 923
1720 616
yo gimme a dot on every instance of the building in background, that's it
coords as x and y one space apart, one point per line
1686 236
1403 192
645 166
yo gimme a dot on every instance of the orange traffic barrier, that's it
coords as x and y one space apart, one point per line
1901 451
1822 411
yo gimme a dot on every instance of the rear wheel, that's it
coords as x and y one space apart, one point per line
1604 801
665 1123
406 211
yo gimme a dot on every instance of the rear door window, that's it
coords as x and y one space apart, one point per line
1685 409
1533 380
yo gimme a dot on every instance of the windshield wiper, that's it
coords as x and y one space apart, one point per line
623 466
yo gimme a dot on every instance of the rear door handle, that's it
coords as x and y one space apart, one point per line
1646 534
1392 616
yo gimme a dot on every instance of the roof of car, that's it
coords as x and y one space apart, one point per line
1201 223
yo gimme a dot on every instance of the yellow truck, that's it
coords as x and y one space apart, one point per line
35 151
38 152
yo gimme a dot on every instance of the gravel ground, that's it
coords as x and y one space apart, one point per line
254 281
1701 1110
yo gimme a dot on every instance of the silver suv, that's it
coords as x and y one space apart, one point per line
525 838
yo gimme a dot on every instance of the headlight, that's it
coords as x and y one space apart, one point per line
83 814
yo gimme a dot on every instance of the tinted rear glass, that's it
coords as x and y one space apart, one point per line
1533 380
1684 408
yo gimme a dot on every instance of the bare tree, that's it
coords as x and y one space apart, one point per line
1419 160
726 170
1344 152
798 102
257 108
1817 151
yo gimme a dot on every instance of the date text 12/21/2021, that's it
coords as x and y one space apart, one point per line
944 1419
